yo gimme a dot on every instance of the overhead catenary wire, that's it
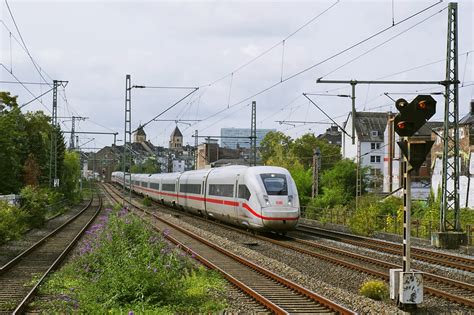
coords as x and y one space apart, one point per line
23 41
326 59
170 107
272 47
342 129
25 87
384 42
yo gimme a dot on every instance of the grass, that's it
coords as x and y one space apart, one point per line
125 266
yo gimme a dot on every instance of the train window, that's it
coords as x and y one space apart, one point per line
190 188
275 184
224 190
244 192
168 187
144 184
155 186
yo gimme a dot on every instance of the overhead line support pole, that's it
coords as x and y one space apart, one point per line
196 143
253 134
53 163
127 154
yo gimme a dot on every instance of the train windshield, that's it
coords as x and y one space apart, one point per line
275 184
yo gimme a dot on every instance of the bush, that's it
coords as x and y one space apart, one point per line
147 201
364 221
34 201
124 265
12 222
375 289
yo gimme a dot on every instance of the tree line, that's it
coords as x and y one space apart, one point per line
25 147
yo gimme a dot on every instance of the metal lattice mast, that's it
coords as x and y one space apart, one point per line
253 134
53 166
127 141
196 143
73 129
450 193
358 173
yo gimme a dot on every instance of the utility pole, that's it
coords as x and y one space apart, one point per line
73 129
196 143
53 161
450 234
253 134
316 168
127 141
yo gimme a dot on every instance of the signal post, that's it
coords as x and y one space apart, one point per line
406 286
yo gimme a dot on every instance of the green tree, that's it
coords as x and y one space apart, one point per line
60 151
304 147
12 144
38 131
69 184
302 177
272 142
149 166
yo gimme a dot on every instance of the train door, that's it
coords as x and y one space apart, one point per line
236 197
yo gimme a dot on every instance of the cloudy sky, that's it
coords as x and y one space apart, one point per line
225 49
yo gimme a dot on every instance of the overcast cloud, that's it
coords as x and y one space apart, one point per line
93 44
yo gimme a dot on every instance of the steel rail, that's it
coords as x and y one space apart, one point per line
428 289
20 309
289 284
448 260
12 262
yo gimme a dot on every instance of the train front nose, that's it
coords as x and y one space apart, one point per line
280 213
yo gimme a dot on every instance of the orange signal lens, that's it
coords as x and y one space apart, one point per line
401 125
422 105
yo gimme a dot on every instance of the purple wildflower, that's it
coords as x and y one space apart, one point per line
131 313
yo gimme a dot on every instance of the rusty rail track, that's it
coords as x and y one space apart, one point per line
279 295
438 286
20 278
443 259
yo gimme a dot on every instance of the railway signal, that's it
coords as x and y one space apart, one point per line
413 115
406 286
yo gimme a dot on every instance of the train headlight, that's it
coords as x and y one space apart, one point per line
290 200
267 201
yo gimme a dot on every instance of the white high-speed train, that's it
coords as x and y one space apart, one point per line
259 198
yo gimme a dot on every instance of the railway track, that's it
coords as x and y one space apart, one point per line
429 256
435 285
21 276
277 294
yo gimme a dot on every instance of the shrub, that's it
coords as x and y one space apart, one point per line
146 201
12 222
364 220
124 265
375 289
34 201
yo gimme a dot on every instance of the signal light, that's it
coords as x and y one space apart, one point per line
401 104
413 115
422 105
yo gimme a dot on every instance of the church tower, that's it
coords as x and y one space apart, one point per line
139 136
176 140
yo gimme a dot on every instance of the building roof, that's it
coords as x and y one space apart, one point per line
332 135
367 122
176 133
425 130
469 117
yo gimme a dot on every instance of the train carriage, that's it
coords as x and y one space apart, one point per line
192 187
169 188
259 198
